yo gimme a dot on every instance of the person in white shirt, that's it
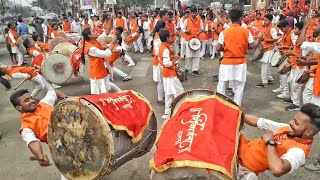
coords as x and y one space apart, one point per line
276 18
283 149
146 30
76 26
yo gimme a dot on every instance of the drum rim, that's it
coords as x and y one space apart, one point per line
61 44
106 128
43 66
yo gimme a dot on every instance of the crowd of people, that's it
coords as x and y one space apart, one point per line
171 36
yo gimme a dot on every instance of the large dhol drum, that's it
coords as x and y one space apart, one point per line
84 145
20 45
65 48
56 41
193 134
56 68
84 71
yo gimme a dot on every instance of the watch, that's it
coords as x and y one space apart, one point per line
271 143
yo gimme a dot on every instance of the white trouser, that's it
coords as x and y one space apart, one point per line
119 72
192 63
308 91
284 86
128 58
149 43
167 102
214 47
231 85
183 47
138 46
203 48
40 84
316 100
160 91
295 92
265 73
238 88
176 46
20 57
115 87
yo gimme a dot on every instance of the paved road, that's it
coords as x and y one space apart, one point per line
14 153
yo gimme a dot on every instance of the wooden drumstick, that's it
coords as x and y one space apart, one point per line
24 80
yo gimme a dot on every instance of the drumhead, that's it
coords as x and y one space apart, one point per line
57 68
65 48
57 40
80 139
275 58
73 36
84 71
194 44
20 45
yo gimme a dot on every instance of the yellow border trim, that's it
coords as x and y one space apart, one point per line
198 164
124 128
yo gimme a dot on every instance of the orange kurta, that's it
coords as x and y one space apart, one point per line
286 40
253 154
15 35
235 45
96 66
134 25
194 26
267 36
38 121
120 23
167 72
66 27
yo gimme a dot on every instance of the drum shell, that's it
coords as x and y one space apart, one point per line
121 147
285 67
20 45
303 78
275 59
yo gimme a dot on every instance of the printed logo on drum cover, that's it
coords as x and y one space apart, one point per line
117 101
198 119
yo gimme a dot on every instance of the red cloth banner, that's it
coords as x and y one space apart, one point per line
125 110
255 30
203 133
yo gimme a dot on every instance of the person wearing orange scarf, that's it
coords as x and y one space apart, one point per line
192 26
120 21
183 41
284 148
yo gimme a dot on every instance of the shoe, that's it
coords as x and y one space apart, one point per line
313 167
166 116
212 57
160 101
195 73
270 81
287 101
229 89
277 90
127 78
56 86
283 96
292 107
131 64
262 85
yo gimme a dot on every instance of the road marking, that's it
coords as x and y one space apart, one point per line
140 69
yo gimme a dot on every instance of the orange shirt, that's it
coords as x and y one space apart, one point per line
171 28
293 59
134 25
286 40
22 69
43 45
55 32
15 35
257 23
253 154
204 36
267 36
105 24
235 45
111 59
194 26
133 37
66 27
120 23
96 66
38 121
167 72
218 27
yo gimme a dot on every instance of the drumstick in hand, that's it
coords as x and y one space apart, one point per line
19 84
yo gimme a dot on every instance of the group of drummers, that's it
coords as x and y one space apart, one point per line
171 38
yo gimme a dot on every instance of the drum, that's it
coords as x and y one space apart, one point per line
65 49
20 45
73 36
194 44
109 39
275 59
303 77
258 53
57 40
84 71
84 145
186 170
283 58
62 34
284 67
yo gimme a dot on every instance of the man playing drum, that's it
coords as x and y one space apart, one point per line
35 118
287 42
282 150
192 26
269 37
234 65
